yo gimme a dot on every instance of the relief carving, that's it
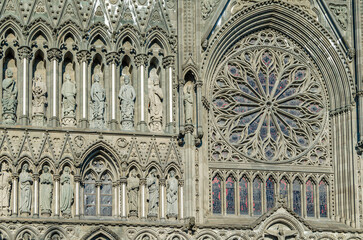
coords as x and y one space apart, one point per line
66 192
9 100
155 103
127 96
133 184
5 188
46 192
39 102
25 182
98 104
172 195
69 92
153 188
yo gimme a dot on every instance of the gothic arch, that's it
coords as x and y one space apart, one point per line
16 28
19 234
64 31
161 38
207 235
300 27
102 231
53 230
146 232
128 32
102 148
40 28
100 33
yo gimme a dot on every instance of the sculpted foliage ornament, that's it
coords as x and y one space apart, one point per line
268 103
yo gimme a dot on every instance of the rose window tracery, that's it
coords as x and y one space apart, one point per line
268 103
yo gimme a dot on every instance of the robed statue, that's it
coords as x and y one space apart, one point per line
39 90
69 92
5 188
133 184
9 99
98 104
172 195
127 98
66 192
188 105
153 187
46 191
155 103
25 181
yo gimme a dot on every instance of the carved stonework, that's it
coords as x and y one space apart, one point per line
9 98
26 191
340 12
208 7
69 92
39 103
5 189
127 96
155 103
98 104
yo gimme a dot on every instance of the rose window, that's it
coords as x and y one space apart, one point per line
268 104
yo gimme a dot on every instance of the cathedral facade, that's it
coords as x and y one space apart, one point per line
181 119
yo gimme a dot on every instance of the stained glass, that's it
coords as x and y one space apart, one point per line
90 196
230 196
257 199
323 189
106 195
270 193
284 189
310 199
216 195
296 196
243 196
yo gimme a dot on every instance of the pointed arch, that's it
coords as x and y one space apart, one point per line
143 233
131 32
11 24
69 29
297 196
157 167
217 192
134 165
21 231
46 162
22 161
257 186
156 35
101 34
54 230
40 28
101 232
174 166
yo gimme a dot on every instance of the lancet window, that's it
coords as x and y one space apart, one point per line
230 196
243 194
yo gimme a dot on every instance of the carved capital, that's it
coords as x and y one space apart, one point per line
25 52
123 180
83 56
77 178
189 128
181 182
141 59
35 177
113 58
15 176
98 184
54 54
162 182
198 84
143 181
168 61
56 177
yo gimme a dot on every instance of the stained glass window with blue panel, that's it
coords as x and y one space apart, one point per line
310 209
296 196
230 196
257 196
323 189
243 195
270 193
216 195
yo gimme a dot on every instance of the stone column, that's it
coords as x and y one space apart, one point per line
56 195
199 119
77 180
54 56
98 198
25 54
181 200
168 64
141 62
181 107
117 199
143 194
113 59
15 178
123 182
36 195
162 184
84 58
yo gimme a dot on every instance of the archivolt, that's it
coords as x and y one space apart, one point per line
302 29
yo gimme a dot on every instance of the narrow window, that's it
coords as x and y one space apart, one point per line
323 189
270 193
89 195
284 189
310 199
243 195
296 196
230 198
257 204
216 195
106 195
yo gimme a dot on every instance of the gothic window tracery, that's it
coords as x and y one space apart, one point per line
243 194
257 196
270 193
296 194
230 195
310 198
323 198
284 189
106 195
216 195
90 195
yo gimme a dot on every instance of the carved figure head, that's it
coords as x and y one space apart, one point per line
153 172
4 166
154 76
127 79
45 169
9 73
38 78
172 173
97 78
25 167
67 77
133 173
67 169
146 237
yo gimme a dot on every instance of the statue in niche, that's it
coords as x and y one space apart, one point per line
39 90
9 100
133 184
172 195
25 181
55 236
66 192
69 92
46 191
5 188
152 184
155 103
127 98
188 104
98 100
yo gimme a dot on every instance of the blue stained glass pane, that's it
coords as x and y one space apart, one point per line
272 81
310 199
230 198
257 205
262 79
253 126
216 195
296 196
284 189
263 131
270 193
323 199
243 194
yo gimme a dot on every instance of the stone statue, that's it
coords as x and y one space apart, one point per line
127 98
188 104
133 184
69 92
39 90
66 192
146 237
46 191
25 182
152 184
98 104
9 100
155 103
172 195
5 188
